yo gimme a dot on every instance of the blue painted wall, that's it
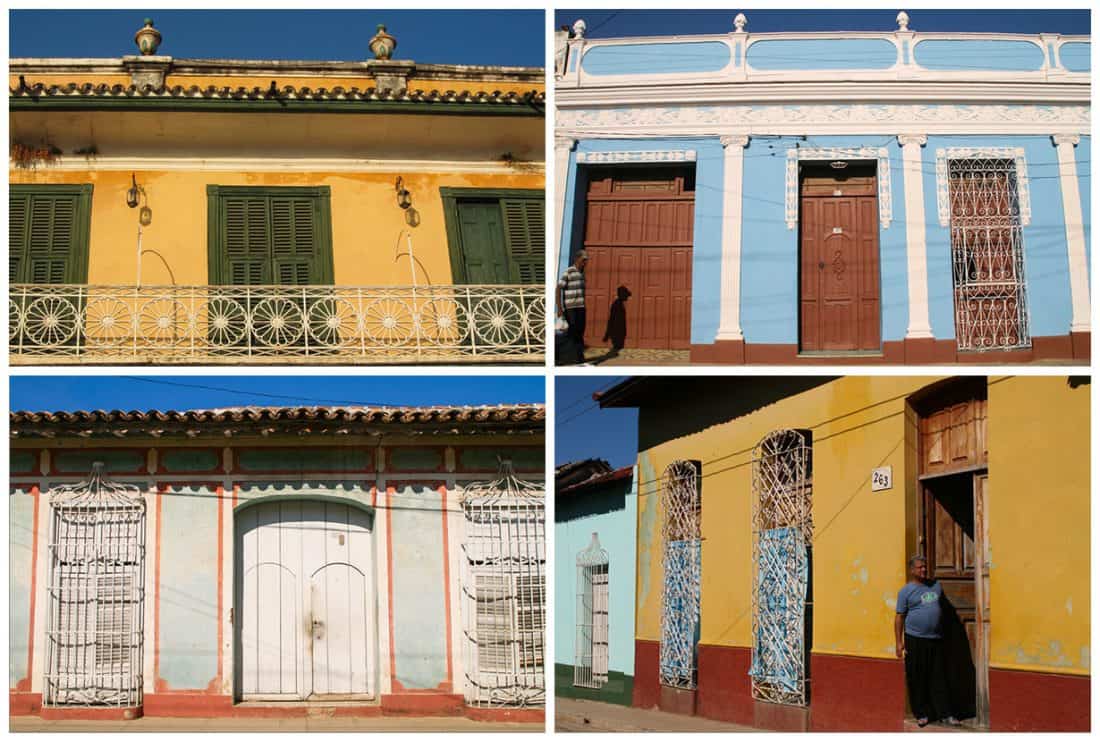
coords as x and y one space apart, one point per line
188 587
769 267
945 54
822 54
1046 266
20 555
420 650
707 254
1084 182
650 59
613 515
1076 56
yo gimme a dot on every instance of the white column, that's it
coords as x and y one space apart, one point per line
562 147
1075 231
729 322
916 248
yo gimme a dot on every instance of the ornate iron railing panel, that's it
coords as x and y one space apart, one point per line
271 324
987 253
683 566
782 525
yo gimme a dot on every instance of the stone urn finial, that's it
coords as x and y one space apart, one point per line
739 23
147 38
382 44
579 28
903 21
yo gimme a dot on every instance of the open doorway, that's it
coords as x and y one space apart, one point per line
953 534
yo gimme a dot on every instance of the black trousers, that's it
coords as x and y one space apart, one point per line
575 318
926 678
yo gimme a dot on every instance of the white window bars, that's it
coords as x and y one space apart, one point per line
95 614
503 591
593 604
682 537
987 254
782 525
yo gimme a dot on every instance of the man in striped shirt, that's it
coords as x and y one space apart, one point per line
571 302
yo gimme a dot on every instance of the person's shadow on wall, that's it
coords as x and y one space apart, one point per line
959 664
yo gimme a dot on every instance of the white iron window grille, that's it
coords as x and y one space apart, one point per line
593 605
782 526
504 591
987 255
682 538
95 613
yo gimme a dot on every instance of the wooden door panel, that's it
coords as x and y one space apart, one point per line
839 265
484 253
954 438
639 234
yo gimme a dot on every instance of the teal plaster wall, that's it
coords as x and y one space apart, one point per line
612 513
418 602
188 587
656 59
20 557
977 54
80 461
189 460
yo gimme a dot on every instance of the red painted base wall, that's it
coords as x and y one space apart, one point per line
725 691
647 677
856 694
1038 702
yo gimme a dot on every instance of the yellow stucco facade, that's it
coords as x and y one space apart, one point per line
1038 432
368 229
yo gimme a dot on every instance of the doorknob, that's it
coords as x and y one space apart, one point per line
821 265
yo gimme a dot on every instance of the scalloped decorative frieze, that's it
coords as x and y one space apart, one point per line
943 196
664 155
745 115
881 154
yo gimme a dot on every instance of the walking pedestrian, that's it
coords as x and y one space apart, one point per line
571 302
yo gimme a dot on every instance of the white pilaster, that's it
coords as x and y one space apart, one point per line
729 323
562 147
1075 231
916 248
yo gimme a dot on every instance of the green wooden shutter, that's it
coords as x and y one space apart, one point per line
48 234
295 248
525 232
245 241
279 236
18 208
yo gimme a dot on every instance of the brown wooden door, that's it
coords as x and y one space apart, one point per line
839 263
638 234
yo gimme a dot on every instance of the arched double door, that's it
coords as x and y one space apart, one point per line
305 602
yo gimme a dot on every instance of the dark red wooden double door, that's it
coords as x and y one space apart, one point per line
638 235
839 261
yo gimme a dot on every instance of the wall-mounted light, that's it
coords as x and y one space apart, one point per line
838 164
134 194
404 198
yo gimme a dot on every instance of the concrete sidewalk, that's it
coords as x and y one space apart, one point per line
573 715
379 724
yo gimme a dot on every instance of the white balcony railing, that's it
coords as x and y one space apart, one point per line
55 324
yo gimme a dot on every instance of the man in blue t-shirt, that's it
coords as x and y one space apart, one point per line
918 619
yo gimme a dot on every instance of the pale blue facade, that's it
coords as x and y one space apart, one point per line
1029 128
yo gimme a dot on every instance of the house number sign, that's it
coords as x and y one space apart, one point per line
882 478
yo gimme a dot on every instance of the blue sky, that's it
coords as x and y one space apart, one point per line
584 431
611 23
496 37
53 393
